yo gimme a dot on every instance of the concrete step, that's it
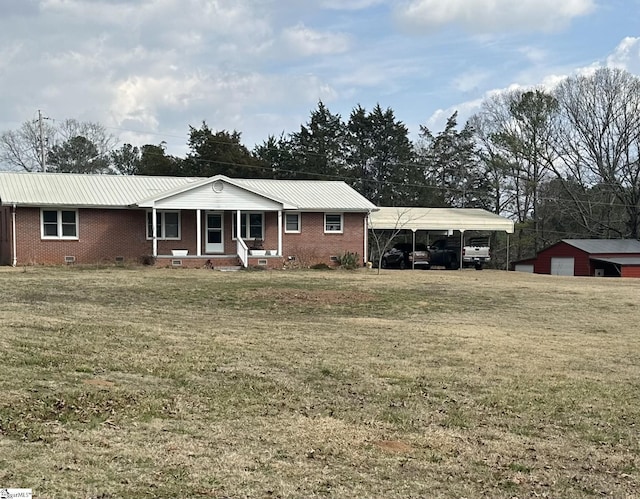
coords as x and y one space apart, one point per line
228 268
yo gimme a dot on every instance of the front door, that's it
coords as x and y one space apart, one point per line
215 233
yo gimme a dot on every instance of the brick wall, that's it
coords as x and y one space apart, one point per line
312 245
104 235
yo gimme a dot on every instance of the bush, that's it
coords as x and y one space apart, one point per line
349 261
147 260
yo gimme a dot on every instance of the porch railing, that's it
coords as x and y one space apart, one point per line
243 251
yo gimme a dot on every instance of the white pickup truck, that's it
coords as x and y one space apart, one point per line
446 253
476 252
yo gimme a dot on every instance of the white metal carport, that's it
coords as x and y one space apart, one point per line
440 219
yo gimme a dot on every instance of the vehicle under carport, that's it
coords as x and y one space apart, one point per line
442 221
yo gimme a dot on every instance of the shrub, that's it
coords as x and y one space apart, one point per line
148 260
349 261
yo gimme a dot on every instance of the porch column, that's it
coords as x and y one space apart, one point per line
280 232
198 233
238 224
154 222
14 241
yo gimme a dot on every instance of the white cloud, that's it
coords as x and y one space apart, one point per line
534 55
437 121
225 101
482 16
307 42
470 80
350 4
626 55
9 54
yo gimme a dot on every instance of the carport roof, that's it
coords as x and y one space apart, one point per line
461 219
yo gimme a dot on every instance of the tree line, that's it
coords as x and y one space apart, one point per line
563 163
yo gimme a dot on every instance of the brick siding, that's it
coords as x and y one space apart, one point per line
105 234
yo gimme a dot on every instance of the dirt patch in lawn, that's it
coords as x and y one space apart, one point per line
326 297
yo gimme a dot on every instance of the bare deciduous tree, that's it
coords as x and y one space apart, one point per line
598 140
28 148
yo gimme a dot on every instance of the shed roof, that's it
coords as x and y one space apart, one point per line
594 246
620 260
462 219
68 189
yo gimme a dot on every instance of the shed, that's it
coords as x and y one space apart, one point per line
587 257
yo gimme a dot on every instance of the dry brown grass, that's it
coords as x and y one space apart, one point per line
193 383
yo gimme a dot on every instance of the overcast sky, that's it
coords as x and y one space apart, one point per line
148 69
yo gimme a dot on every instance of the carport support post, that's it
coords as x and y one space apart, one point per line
461 248
413 251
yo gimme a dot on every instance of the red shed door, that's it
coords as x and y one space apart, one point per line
562 265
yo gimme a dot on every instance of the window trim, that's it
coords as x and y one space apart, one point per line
161 221
59 224
298 215
339 231
247 222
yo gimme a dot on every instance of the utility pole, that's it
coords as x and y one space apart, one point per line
43 156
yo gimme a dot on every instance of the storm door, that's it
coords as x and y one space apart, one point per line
215 233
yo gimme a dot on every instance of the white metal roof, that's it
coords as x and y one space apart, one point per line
310 195
67 189
462 219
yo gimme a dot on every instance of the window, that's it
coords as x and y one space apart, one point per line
59 224
167 224
251 226
333 222
292 222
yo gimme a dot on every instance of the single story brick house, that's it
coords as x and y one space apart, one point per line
57 218
586 257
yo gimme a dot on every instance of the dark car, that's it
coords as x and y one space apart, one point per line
401 256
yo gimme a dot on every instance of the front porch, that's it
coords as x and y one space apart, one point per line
215 220
199 238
